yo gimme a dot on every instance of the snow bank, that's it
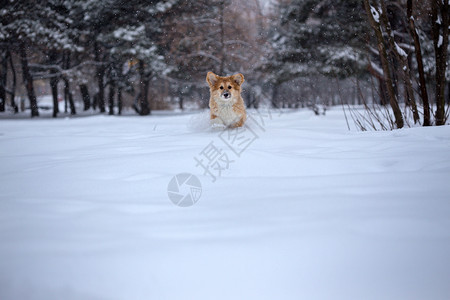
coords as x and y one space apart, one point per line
308 210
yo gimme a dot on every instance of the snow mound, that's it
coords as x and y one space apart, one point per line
199 122
292 206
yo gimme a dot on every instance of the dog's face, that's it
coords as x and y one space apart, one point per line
225 89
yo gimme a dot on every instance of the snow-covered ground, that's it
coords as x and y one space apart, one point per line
302 209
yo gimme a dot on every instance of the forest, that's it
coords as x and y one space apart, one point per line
329 181
114 56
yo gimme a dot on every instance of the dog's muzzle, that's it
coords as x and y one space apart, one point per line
226 95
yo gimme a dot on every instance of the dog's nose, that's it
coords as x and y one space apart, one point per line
226 95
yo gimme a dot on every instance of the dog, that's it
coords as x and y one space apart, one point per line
226 104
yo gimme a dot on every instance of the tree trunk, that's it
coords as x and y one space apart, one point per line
28 81
180 102
385 65
222 36
101 89
3 79
85 95
100 79
54 88
144 109
448 93
72 104
112 91
14 84
440 37
275 96
359 96
119 101
53 56
145 106
249 100
383 92
95 101
66 99
418 53
404 66
255 101
67 90
69 96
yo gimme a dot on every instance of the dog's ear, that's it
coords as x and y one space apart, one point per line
238 78
211 78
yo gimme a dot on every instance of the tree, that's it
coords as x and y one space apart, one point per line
93 18
218 36
5 59
196 42
119 32
374 15
28 26
440 23
407 33
420 68
316 37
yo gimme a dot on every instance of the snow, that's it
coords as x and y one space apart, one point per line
46 102
309 210
376 68
440 41
129 33
343 53
400 51
438 20
375 14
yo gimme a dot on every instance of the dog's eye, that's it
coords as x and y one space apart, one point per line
221 87
229 87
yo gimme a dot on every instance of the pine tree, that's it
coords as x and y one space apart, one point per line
125 32
316 37
321 37
215 36
30 26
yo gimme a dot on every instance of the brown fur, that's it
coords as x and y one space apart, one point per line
230 112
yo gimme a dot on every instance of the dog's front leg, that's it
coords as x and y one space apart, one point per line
239 123
216 121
